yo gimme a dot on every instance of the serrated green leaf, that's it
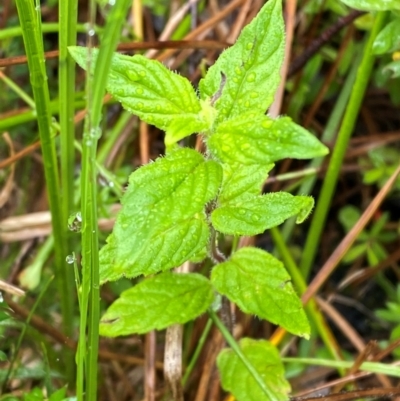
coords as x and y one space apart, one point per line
260 285
256 139
373 5
236 379
388 40
255 214
162 222
155 94
156 303
241 181
246 76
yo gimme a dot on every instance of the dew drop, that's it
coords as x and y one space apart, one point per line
95 133
235 80
249 46
91 32
266 124
251 77
238 71
253 95
70 259
139 91
111 2
242 212
142 73
1 297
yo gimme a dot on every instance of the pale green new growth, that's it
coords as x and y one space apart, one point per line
236 379
246 76
157 303
259 284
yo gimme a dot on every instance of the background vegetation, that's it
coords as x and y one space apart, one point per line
347 251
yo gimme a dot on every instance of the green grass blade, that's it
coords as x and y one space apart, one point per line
90 248
373 367
328 136
346 129
235 347
36 62
66 84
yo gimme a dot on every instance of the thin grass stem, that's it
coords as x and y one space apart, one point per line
346 129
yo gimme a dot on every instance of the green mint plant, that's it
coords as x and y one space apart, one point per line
175 207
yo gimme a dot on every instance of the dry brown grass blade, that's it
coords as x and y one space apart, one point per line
5 193
349 239
342 324
161 45
353 395
290 18
205 26
45 328
342 248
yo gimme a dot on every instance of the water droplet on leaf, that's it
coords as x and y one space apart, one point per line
70 259
251 77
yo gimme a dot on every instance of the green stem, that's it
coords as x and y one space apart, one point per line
36 62
46 28
90 298
328 136
66 84
197 352
346 129
235 347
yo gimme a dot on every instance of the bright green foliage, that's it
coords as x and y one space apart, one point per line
254 214
259 284
157 303
388 40
236 379
172 205
246 76
155 94
162 223
256 139
373 5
